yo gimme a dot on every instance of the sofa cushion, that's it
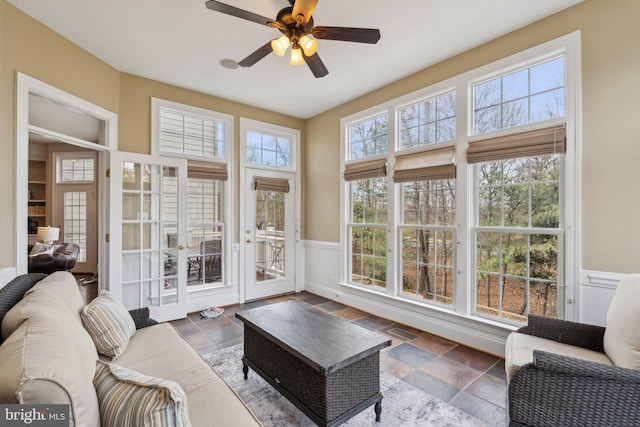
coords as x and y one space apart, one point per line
50 358
128 398
212 403
109 324
519 351
12 293
622 336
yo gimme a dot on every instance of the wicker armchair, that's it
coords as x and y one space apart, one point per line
558 390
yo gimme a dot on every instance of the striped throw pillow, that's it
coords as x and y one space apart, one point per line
109 324
129 398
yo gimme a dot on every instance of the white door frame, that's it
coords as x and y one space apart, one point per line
246 125
24 86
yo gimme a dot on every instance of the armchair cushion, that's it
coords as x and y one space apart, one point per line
519 351
622 336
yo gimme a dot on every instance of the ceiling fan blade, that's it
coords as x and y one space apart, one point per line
315 65
238 13
359 35
304 8
257 55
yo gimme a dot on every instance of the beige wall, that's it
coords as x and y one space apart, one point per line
33 49
611 135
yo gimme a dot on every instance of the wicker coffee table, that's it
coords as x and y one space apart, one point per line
326 366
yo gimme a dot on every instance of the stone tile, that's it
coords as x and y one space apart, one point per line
188 329
372 322
425 382
401 332
410 355
470 357
434 343
491 389
177 322
225 333
479 408
235 320
315 300
215 323
332 306
351 313
282 298
449 371
199 340
498 371
394 366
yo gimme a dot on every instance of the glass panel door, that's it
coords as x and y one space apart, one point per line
269 237
148 235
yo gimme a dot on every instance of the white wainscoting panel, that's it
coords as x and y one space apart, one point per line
321 277
596 291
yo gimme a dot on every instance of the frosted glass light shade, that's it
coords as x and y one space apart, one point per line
308 45
296 56
280 45
48 234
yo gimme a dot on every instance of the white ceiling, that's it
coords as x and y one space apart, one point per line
181 42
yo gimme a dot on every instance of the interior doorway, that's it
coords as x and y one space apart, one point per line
48 117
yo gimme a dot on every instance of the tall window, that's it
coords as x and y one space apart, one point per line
506 126
369 205
203 137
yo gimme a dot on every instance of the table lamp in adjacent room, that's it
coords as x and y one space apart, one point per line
48 234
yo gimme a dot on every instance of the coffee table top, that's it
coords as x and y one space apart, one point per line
323 341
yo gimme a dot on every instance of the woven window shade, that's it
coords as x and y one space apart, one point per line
426 165
204 170
272 184
366 170
551 140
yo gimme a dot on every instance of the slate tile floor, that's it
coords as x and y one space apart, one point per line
466 378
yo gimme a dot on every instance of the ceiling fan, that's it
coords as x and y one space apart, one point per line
296 25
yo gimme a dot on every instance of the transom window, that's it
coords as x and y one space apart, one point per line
185 131
428 122
265 149
529 95
76 169
369 137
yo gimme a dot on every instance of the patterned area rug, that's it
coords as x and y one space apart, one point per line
402 405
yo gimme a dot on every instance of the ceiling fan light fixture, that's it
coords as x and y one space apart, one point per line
280 45
296 55
309 45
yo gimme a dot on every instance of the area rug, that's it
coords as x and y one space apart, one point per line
402 405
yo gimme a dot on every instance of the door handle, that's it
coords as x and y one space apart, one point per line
248 240
181 247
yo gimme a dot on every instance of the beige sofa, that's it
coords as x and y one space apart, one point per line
48 357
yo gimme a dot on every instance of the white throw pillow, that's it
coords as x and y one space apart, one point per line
42 248
109 324
622 335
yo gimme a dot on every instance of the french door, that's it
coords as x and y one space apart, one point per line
269 233
148 235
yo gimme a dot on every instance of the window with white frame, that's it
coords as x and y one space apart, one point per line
267 149
204 138
517 189
368 208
